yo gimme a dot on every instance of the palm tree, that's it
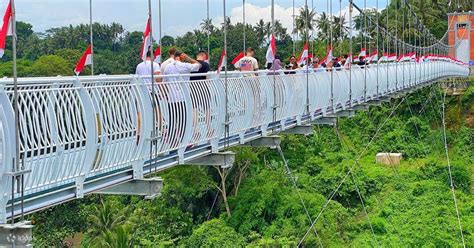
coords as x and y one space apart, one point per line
340 29
306 18
105 217
261 30
323 25
207 26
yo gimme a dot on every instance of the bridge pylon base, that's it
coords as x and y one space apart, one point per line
150 188
221 159
16 235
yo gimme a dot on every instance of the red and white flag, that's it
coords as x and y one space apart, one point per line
237 58
146 41
271 51
362 53
86 59
412 56
303 55
373 57
348 62
222 61
157 54
328 55
384 57
392 57
6 28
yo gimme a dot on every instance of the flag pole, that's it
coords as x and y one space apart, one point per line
145 50
16 164
159 27
91 37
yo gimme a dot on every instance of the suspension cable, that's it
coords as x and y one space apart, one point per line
244 25
295 185
353 176
451 182
351 169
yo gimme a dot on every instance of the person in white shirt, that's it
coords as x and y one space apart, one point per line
248 62
182 64
171 53
174 83
144 68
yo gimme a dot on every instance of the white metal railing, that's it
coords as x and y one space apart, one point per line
74 128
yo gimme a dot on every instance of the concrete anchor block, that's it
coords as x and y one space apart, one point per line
388 158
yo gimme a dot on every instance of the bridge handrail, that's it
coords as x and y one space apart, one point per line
74 128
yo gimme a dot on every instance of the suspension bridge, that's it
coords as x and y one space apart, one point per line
62 138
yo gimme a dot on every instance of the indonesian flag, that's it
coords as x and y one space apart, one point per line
303 55
328 55
6 28
373 57
222 61
86 59
384 57
146 41
412 56
271 51
236 59
402 58
392 57
157 54
348 62
362 53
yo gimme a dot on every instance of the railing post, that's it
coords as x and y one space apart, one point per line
7 135
91 136
145 123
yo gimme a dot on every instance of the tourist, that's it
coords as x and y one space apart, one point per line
201 57
293 65
171 54
182 64
144 68
275 66
248 62
362 61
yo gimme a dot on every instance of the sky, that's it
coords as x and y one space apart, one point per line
178 16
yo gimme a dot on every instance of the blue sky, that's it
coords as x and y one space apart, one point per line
178 16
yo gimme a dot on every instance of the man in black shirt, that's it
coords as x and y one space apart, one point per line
201 57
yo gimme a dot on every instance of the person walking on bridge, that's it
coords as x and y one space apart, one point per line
171 54
248 63
176 79
144 68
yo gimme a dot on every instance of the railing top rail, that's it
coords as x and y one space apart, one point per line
211 75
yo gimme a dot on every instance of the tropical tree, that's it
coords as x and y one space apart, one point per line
305 20
207 26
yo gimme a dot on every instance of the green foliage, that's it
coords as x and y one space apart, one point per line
214 233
